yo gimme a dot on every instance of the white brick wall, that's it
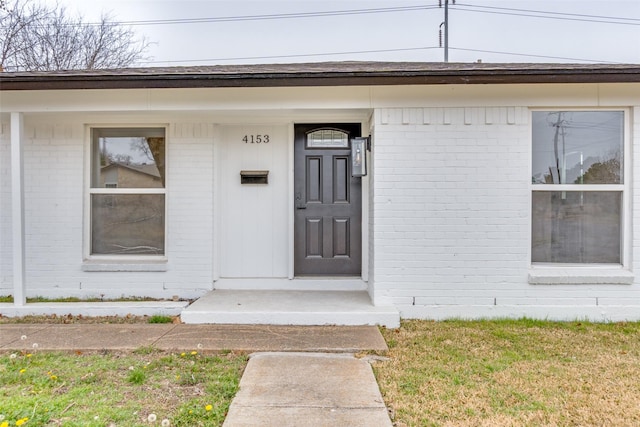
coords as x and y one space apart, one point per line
53 177
54 192
190 208
449 217
451 208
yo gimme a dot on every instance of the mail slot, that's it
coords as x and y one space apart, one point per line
254 177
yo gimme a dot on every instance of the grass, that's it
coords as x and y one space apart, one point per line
512 373
80 319
114 389
158 318
452 373
9 299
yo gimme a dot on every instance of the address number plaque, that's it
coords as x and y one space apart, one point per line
256 139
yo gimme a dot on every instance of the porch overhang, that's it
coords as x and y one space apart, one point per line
321 74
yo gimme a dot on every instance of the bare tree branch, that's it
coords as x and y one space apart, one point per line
15 21
34 37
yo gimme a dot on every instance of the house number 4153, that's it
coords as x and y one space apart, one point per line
256 139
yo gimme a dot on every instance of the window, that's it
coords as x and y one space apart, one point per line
328 138
127 191
578 187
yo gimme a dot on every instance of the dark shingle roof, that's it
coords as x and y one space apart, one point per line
321 74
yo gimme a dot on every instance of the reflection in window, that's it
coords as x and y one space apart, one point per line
576 226
328 138
577 147
127 224
580 150
126 158
127 191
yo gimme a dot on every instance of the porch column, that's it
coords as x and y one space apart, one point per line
17 208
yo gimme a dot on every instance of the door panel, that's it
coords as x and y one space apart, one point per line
328 231
341 237
314 237
314 179
341 179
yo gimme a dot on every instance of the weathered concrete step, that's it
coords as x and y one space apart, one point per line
290 308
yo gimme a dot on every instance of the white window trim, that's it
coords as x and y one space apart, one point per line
119 262
579 273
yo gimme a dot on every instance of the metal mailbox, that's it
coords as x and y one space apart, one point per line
254 177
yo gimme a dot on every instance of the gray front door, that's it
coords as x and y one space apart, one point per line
328 201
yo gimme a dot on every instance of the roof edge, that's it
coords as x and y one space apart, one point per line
321 74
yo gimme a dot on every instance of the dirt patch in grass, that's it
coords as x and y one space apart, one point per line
512 373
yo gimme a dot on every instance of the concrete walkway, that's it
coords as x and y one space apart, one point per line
307 389
181 337
307 377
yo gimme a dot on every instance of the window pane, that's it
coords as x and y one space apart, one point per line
576 226
577 147
128 158
127 224
328 138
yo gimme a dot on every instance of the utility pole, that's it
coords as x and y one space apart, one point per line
446 27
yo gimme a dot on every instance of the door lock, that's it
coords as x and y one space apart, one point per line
299 203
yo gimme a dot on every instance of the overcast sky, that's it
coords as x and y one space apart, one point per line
371 30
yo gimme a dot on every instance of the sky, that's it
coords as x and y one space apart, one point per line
281 31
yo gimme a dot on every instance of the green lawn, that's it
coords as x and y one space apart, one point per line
142 388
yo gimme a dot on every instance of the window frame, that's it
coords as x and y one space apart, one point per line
110 262
567 269
328 147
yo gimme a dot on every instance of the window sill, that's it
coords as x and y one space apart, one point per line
135 266
580 276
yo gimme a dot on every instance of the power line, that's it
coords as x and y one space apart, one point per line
460 6
301 55
275 16
294 55
534 56
548 15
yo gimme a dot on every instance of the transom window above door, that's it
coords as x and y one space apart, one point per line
328 138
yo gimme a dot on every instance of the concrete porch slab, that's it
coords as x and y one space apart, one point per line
272 307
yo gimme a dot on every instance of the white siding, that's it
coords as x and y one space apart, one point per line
254 218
